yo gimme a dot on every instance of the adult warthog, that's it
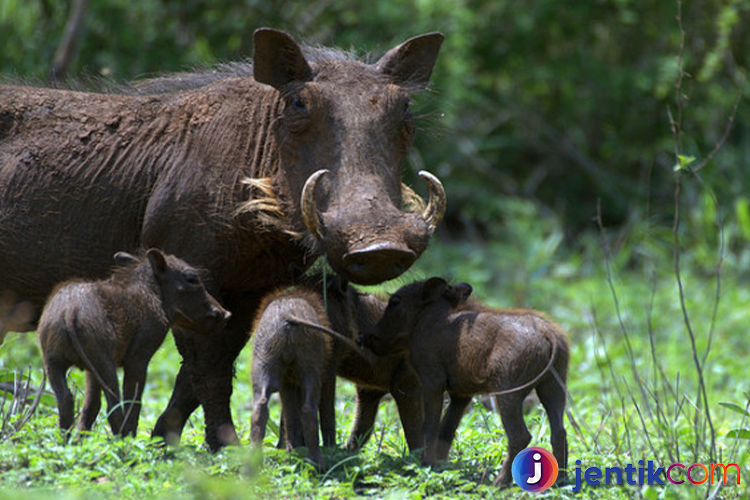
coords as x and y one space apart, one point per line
242 171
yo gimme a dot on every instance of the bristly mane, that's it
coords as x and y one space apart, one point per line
263 201
200 77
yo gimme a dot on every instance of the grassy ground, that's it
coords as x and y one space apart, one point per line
635 393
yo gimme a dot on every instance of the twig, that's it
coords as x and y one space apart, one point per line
677 131
610 282
644 424
676 125
5 416
677 128
727 129
336 335
26 394
33 407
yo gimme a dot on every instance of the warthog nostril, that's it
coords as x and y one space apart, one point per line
357 265
378 262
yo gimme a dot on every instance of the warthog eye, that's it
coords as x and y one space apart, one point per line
299 104
408 119
394 301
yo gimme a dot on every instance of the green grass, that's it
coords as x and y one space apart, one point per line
634 394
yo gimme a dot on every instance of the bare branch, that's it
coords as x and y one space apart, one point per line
69 43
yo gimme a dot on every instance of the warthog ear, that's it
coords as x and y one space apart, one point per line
411 62
278 59
433 288
124 258
157 260
458 294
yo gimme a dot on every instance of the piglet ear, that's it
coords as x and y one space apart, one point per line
124 258
433 288
158 261
278 59
458 294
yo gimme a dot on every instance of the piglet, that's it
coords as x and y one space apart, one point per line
121 321
294 360
462 347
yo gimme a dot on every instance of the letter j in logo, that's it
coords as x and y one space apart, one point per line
535 469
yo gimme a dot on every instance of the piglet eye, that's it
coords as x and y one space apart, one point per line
191 279
395 301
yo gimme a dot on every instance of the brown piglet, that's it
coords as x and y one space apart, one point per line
462 347
120 322
295 361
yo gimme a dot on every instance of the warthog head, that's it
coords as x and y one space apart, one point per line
343 134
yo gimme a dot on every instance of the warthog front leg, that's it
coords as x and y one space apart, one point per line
364 419
181 405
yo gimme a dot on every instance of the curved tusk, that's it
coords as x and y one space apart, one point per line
308 205
435 210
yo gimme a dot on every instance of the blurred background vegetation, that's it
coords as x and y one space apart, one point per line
538 109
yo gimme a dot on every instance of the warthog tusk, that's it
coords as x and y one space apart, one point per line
308 205
435 210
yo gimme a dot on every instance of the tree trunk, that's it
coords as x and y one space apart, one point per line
69 42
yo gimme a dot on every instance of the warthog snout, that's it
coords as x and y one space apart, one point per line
384 258
369 239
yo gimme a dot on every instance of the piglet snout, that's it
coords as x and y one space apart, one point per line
371 342
217 318
363 340
220 315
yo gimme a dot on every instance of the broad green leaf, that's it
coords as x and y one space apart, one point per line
739 433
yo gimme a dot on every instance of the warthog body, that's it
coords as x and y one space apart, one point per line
296 361
459 346
212 167
120 322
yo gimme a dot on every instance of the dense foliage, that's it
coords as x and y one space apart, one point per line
565 104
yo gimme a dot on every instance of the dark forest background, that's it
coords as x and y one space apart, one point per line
565 106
